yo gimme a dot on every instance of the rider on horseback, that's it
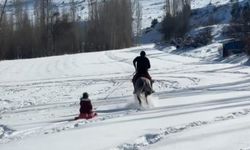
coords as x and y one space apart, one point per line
141 64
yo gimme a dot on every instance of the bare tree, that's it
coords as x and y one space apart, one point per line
176 20
50 32
137 8
109 25
2 11
73 10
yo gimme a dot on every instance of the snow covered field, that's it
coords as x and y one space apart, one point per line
199 103
202 102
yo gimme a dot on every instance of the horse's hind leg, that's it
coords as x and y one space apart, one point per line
139 99
146 97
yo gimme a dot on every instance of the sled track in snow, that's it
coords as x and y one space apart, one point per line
30 108
5 131
56 126
33 91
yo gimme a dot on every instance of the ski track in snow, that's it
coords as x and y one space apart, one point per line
8 135
151 138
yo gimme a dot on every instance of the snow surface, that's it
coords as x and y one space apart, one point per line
200 102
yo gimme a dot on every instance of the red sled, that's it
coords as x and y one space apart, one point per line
86 115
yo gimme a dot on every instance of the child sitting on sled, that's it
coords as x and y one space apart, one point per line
86 107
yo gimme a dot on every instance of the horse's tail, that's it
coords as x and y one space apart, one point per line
143 87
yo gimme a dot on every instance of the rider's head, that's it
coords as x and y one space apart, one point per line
142 54
85 95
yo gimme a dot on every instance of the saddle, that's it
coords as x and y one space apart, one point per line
137 76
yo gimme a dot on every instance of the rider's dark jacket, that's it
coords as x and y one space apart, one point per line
142 64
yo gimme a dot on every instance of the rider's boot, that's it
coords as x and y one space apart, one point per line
134 88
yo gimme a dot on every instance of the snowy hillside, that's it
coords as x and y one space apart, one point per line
151 9
214 14
203 10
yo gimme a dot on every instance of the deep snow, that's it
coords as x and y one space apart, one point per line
201 100
197 100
